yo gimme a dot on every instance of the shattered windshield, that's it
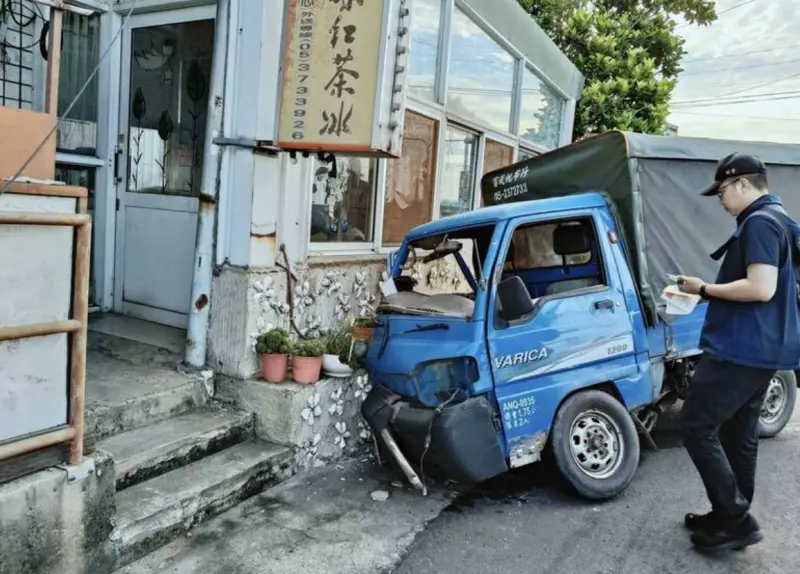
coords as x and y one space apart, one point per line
441 274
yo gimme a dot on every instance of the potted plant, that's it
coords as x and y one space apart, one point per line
336 361
362 328
307 361
274 347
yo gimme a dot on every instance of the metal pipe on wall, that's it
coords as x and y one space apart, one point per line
197 334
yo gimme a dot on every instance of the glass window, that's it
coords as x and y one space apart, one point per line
424 48
79 55
495 156
458 173
170 71
526 154
21 84
480 79
410 180
82 177
542 112
342 207
532 248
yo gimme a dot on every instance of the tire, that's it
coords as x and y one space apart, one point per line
779 404
592 414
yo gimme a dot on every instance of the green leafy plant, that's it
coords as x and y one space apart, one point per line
309 348
339 343
274 342
628 50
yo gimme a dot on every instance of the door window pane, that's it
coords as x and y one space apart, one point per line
79 56
542 112
424 48
458 175
411 179
343 207
480 79
170 71
82 177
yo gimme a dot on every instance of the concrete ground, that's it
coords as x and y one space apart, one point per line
320 522
327 522
545 531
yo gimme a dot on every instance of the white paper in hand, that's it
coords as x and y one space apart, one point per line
678 302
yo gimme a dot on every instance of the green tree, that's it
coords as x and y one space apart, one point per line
629 52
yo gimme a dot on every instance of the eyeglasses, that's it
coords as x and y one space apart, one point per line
722 188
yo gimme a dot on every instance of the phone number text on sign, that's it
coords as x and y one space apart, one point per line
517 413
300 97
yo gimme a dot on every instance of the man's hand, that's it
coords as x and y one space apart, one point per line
690 285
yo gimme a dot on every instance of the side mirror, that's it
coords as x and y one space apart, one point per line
515 301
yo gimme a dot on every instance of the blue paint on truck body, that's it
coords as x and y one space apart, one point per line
522 372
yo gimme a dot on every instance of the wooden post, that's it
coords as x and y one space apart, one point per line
53 61
80 312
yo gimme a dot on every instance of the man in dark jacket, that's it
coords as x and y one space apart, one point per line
751 331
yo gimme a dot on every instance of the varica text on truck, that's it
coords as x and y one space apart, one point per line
557 336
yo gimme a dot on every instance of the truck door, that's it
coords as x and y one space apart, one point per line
578 334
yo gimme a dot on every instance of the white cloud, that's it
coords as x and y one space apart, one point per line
751 50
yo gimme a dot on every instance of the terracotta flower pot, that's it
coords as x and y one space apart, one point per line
306 370
273 368
362 334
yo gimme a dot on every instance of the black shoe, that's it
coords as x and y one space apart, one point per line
695 522
738 537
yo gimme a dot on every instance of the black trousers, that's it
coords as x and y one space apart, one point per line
720 432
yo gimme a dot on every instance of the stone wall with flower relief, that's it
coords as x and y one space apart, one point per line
327 295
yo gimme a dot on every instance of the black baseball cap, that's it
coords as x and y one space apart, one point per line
733 165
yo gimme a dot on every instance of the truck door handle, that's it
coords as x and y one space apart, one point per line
604 304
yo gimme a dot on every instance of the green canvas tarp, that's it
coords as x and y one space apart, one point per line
653 183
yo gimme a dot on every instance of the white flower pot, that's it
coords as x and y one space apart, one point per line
333 367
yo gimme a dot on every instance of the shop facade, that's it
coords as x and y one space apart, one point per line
485 87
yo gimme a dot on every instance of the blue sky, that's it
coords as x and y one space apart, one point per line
751 53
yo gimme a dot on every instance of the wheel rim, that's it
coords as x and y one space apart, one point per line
596 444
774 401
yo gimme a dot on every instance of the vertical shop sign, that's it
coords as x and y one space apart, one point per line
335 59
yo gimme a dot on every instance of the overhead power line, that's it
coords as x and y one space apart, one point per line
734 69
745 3
737 54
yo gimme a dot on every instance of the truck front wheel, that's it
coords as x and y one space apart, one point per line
595 444
778 406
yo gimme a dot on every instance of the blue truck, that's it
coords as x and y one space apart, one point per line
536 324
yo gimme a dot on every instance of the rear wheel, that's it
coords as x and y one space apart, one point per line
595 445
778 406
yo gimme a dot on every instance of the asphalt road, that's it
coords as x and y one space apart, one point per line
510 527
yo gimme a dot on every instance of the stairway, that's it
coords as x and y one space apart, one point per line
179 458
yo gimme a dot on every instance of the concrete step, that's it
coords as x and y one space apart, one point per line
123 396
152 513
156 449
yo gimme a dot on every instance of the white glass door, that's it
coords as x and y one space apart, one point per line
166 68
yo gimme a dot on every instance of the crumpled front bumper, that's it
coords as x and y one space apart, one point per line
464 444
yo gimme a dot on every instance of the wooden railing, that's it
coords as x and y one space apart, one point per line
75 327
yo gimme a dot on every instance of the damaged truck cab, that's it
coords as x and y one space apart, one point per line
526 326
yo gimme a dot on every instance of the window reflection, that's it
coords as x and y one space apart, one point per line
458 174
170 71
424 48
525 154
410 180
480 79
542 112
342 207
79 55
